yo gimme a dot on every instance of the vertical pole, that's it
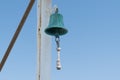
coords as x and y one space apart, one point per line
39 6
43 40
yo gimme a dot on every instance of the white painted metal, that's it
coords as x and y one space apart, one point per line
43 40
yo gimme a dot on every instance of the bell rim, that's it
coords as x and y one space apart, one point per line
65 31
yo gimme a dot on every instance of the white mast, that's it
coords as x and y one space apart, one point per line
43 40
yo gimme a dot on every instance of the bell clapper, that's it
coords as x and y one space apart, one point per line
57 39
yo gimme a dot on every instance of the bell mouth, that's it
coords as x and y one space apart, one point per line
56 31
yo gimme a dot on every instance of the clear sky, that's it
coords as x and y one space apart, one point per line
90 51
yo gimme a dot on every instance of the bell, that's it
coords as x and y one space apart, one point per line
56 25
56 28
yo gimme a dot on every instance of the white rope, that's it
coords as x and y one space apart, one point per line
58 53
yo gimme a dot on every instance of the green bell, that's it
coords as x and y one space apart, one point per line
56 25
56 28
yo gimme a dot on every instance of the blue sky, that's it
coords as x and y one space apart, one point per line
90 51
